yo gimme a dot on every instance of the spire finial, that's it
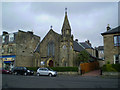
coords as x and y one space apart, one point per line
51 26
66 11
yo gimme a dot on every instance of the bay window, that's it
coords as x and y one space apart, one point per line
117 40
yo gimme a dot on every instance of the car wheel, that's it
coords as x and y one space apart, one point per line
15 73
25 73
38 74
50 74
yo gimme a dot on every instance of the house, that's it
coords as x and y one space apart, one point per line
88 47
112 45
19 48
100 50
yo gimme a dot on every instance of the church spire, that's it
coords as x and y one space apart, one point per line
66 26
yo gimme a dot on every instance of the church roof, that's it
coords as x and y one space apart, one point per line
37 49
113 31
77 47
85 45
51 31
66 25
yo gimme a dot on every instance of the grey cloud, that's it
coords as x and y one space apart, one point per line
86 19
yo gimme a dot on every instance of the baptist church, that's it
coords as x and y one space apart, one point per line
59 49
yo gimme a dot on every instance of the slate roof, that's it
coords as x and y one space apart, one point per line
112 31
51 31
85 45
100 48
66 25
77 47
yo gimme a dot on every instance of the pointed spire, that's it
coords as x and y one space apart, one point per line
66 24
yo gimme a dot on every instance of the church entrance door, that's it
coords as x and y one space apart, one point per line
50 63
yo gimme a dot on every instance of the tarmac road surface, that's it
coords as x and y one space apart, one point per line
61 81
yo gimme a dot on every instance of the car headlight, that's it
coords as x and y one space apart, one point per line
28 70
7 71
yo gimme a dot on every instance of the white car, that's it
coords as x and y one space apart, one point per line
46 71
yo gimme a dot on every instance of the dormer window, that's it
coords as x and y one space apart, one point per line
11 37
3 39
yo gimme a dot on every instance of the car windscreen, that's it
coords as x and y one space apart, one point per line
50 69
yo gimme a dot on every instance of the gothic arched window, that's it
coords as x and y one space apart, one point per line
50 49
64 46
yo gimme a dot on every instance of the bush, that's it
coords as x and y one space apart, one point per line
111 68
33 68
65 69
58 69
116 67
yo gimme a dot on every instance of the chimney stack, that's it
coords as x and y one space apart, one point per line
108 27
76 40
88 42
4 32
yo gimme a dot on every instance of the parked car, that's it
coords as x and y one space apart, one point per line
22 71
3 71
46 71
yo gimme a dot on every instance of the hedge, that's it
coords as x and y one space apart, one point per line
58 69
65 69
111 68
33 68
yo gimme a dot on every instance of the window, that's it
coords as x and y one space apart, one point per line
70 47
3 50
102 52
64 46
3 39
116 59
11 37
51 49
67 32
117 40
10 49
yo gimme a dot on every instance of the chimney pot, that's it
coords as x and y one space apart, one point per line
76 40
108 27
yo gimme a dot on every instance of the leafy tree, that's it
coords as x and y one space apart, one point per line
83 56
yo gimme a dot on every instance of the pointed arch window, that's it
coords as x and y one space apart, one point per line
51 49
64 46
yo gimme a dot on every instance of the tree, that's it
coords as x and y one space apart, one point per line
83 56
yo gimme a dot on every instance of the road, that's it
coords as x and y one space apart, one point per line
61 81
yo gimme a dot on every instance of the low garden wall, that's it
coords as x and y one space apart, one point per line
111 73
111 70
67 73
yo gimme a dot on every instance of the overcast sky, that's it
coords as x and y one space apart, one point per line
88 20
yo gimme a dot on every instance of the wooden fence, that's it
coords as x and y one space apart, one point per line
86 67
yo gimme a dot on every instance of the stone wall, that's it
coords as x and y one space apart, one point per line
50 37
67 73
26 43
109 49
24 61
111 73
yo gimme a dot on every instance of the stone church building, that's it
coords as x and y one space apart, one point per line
59 49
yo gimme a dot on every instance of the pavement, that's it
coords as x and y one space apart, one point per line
92 73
